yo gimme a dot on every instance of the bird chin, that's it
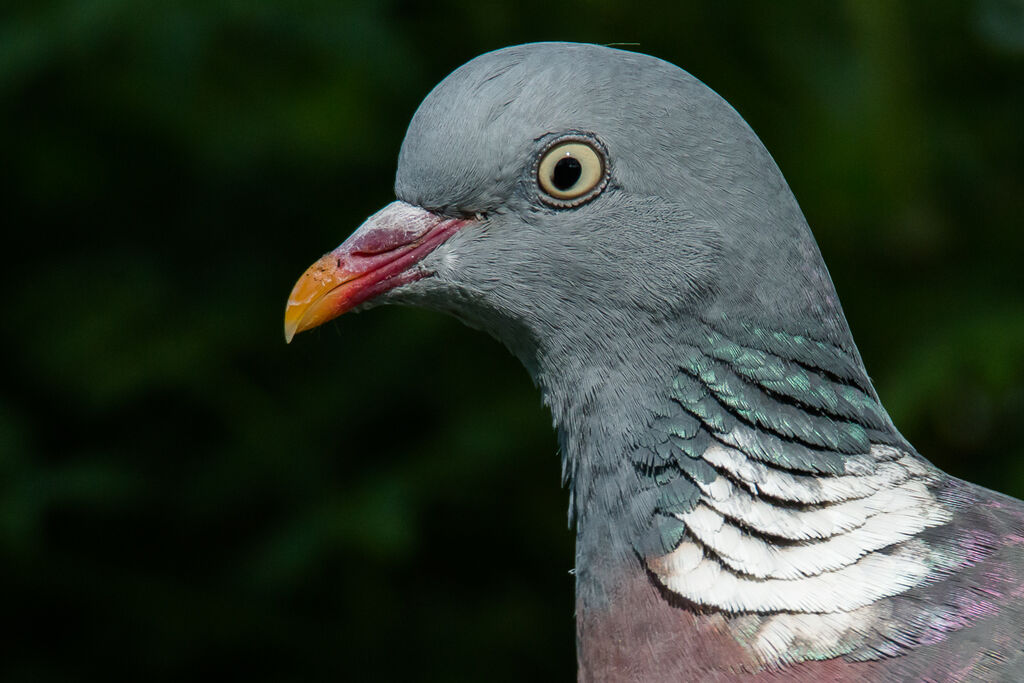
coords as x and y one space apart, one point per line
413 290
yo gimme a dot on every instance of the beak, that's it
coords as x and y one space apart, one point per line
377 257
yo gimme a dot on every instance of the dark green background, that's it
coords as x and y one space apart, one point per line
181 494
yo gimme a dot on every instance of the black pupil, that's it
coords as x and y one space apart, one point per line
567 172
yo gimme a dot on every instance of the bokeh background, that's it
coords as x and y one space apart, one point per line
183 495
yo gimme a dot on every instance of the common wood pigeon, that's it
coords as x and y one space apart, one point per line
745 508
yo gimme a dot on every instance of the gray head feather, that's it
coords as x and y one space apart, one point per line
696 220
697 215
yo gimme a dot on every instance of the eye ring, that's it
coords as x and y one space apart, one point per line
571 170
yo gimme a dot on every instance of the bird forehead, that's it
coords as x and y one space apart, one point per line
475 132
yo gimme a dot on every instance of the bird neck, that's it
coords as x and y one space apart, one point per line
747 473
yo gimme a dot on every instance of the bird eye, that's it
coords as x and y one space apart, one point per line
571 172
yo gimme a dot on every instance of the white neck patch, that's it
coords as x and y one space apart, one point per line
765 540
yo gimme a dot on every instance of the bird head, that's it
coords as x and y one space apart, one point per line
577 197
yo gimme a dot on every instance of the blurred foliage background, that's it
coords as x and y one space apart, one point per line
183 495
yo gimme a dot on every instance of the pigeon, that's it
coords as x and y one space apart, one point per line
744 507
